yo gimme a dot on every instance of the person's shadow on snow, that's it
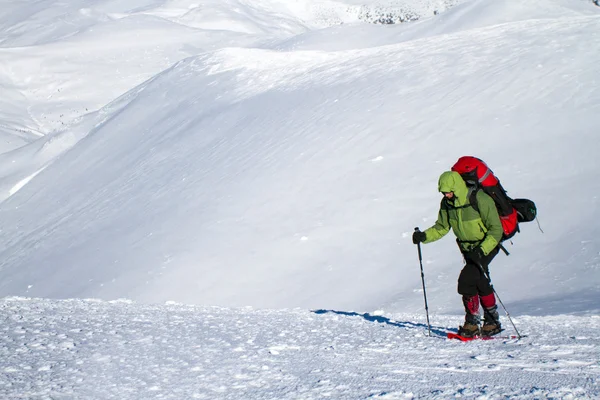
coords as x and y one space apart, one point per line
435 330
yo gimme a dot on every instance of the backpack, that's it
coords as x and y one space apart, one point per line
477 175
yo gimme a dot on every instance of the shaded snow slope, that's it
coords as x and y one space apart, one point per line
93 349
273 179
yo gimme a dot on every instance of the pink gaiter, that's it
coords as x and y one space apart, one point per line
488 301
472 304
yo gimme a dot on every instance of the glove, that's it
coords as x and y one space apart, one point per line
476 255
419 237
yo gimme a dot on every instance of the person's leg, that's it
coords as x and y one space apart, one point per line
468 288
491 318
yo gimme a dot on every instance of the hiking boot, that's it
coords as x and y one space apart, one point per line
491 321
491 329
469 330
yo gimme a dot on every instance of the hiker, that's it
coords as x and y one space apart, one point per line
478 231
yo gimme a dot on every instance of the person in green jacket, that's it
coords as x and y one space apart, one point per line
478 232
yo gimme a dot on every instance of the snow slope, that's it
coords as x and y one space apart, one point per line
294 179
87 349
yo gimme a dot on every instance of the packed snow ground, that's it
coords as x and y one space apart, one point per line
89 349
277 155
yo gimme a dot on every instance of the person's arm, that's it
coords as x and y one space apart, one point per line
441 226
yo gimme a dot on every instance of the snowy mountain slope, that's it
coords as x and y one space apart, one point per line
92 349
48 22
15 128
274 179
62 61
44 46
64 79
462 17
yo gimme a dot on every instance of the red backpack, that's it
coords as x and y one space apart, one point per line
478 175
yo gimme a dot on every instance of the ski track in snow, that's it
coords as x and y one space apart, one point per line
120 349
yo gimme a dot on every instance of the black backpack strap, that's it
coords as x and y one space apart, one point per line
472 196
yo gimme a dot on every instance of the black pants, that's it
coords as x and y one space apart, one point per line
472 281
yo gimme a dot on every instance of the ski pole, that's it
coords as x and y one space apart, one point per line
423 280
499 300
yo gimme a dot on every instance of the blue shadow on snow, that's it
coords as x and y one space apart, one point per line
435 330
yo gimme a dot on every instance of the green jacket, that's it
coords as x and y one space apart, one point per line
471 228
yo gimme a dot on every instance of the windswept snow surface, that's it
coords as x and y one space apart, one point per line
88 349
